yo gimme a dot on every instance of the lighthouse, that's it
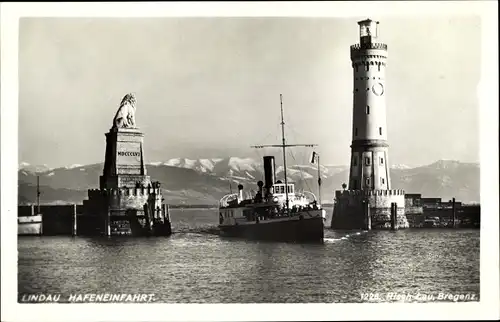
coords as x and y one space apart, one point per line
369 168
370 202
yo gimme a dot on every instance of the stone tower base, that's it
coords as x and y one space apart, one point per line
368 209
128 211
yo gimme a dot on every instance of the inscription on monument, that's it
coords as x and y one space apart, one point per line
129 153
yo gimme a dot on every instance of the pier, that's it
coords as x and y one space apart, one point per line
59 220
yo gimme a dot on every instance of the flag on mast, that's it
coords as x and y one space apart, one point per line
313 157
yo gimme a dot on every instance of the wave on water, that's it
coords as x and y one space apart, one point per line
331 240
214 230
345 237
211 230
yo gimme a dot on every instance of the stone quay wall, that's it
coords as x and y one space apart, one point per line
350 213
53 220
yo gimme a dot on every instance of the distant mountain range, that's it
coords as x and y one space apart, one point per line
205 181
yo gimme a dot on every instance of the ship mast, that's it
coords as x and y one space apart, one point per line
38 194
319 180
284 150
283 146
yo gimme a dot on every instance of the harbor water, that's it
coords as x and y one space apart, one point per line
195 265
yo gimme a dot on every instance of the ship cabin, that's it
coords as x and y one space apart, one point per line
294 199
279 189
279 193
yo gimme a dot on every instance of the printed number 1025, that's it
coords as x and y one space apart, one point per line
370 296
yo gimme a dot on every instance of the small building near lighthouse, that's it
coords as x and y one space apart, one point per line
127 202
370 201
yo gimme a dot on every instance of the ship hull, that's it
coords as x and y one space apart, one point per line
293 230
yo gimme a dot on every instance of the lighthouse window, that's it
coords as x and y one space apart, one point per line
381 160
367 109
380 130
355 161
367 181
367 161
383 181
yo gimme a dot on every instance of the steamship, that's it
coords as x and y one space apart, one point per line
277 212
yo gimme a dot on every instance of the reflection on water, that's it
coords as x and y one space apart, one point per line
194 265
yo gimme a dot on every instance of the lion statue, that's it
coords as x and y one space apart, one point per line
125 116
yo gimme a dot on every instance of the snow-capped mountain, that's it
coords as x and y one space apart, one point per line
246 168
33 168
206 180
201 165
400 166
250 169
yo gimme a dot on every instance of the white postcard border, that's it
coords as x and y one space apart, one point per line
487 308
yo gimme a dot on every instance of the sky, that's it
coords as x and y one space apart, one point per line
210 87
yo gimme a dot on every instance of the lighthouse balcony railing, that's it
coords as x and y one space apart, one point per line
371 45
392 192
358 50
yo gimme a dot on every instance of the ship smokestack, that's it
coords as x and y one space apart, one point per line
269 173
240 193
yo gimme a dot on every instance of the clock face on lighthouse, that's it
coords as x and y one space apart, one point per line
378 89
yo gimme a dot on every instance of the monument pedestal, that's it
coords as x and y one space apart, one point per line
124 163
127 201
